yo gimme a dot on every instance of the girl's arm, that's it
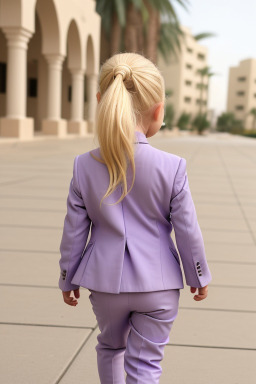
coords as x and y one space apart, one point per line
188 234
75 233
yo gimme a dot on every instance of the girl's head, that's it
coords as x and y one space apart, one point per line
131 97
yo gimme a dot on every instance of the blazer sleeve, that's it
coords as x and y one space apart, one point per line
75 233
188 234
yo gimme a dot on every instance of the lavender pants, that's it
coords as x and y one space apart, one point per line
134 327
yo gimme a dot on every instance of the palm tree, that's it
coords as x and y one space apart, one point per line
203 72
200 122
184 121
253 113
136 24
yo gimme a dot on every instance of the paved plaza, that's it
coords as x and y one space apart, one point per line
45 341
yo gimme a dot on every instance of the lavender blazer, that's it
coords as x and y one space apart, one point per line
130 248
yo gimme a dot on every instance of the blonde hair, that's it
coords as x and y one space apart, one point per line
129 85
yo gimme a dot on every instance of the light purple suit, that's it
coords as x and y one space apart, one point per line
130 248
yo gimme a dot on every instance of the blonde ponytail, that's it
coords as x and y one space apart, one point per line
129 84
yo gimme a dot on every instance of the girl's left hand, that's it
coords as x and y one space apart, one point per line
70 300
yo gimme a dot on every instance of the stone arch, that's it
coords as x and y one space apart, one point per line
48 16
74 47
90 56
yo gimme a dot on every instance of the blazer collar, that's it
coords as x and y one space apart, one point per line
141 138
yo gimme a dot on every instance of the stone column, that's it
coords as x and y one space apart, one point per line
76 123
53 124
16 124
92 88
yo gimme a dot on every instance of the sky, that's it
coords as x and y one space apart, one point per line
234 24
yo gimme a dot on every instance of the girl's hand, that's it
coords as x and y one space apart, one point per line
70 300
202 292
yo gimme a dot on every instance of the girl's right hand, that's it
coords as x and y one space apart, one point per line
202 292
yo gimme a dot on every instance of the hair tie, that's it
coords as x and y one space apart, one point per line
124 70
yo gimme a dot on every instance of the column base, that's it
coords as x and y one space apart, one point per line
90 126
54 127
21 128
79 127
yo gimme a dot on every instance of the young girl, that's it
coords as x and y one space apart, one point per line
130 195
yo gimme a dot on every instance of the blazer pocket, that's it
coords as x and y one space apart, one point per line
89 246
175 254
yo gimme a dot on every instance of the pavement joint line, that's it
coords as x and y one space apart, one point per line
235 194
229 243
232 262
211 347
59 228
31 210
219 310
45 325
207 229
56 287
3 184
65 370
40 187
29 251
32 197
197 203
29 226
29 286
233 286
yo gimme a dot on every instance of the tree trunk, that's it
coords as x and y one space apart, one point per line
115 38
133 36
201 95
104 46
153 29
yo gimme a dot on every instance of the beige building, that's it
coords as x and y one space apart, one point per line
49 63
182 79
242 91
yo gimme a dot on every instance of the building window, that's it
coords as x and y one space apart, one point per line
32 87
200 56
187 99
69 93
254 95
239 107
188 82
190 50
188 66
2 77
241 78
198 101
240 93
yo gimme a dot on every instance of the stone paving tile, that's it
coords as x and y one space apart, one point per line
217 332
36 239
34 309
221 299
227 237
28 203
84 369
240 253
32 218
223 224
201 365
34 354
218 211
31 268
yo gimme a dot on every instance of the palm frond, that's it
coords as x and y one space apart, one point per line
120 7
170 40
204 35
